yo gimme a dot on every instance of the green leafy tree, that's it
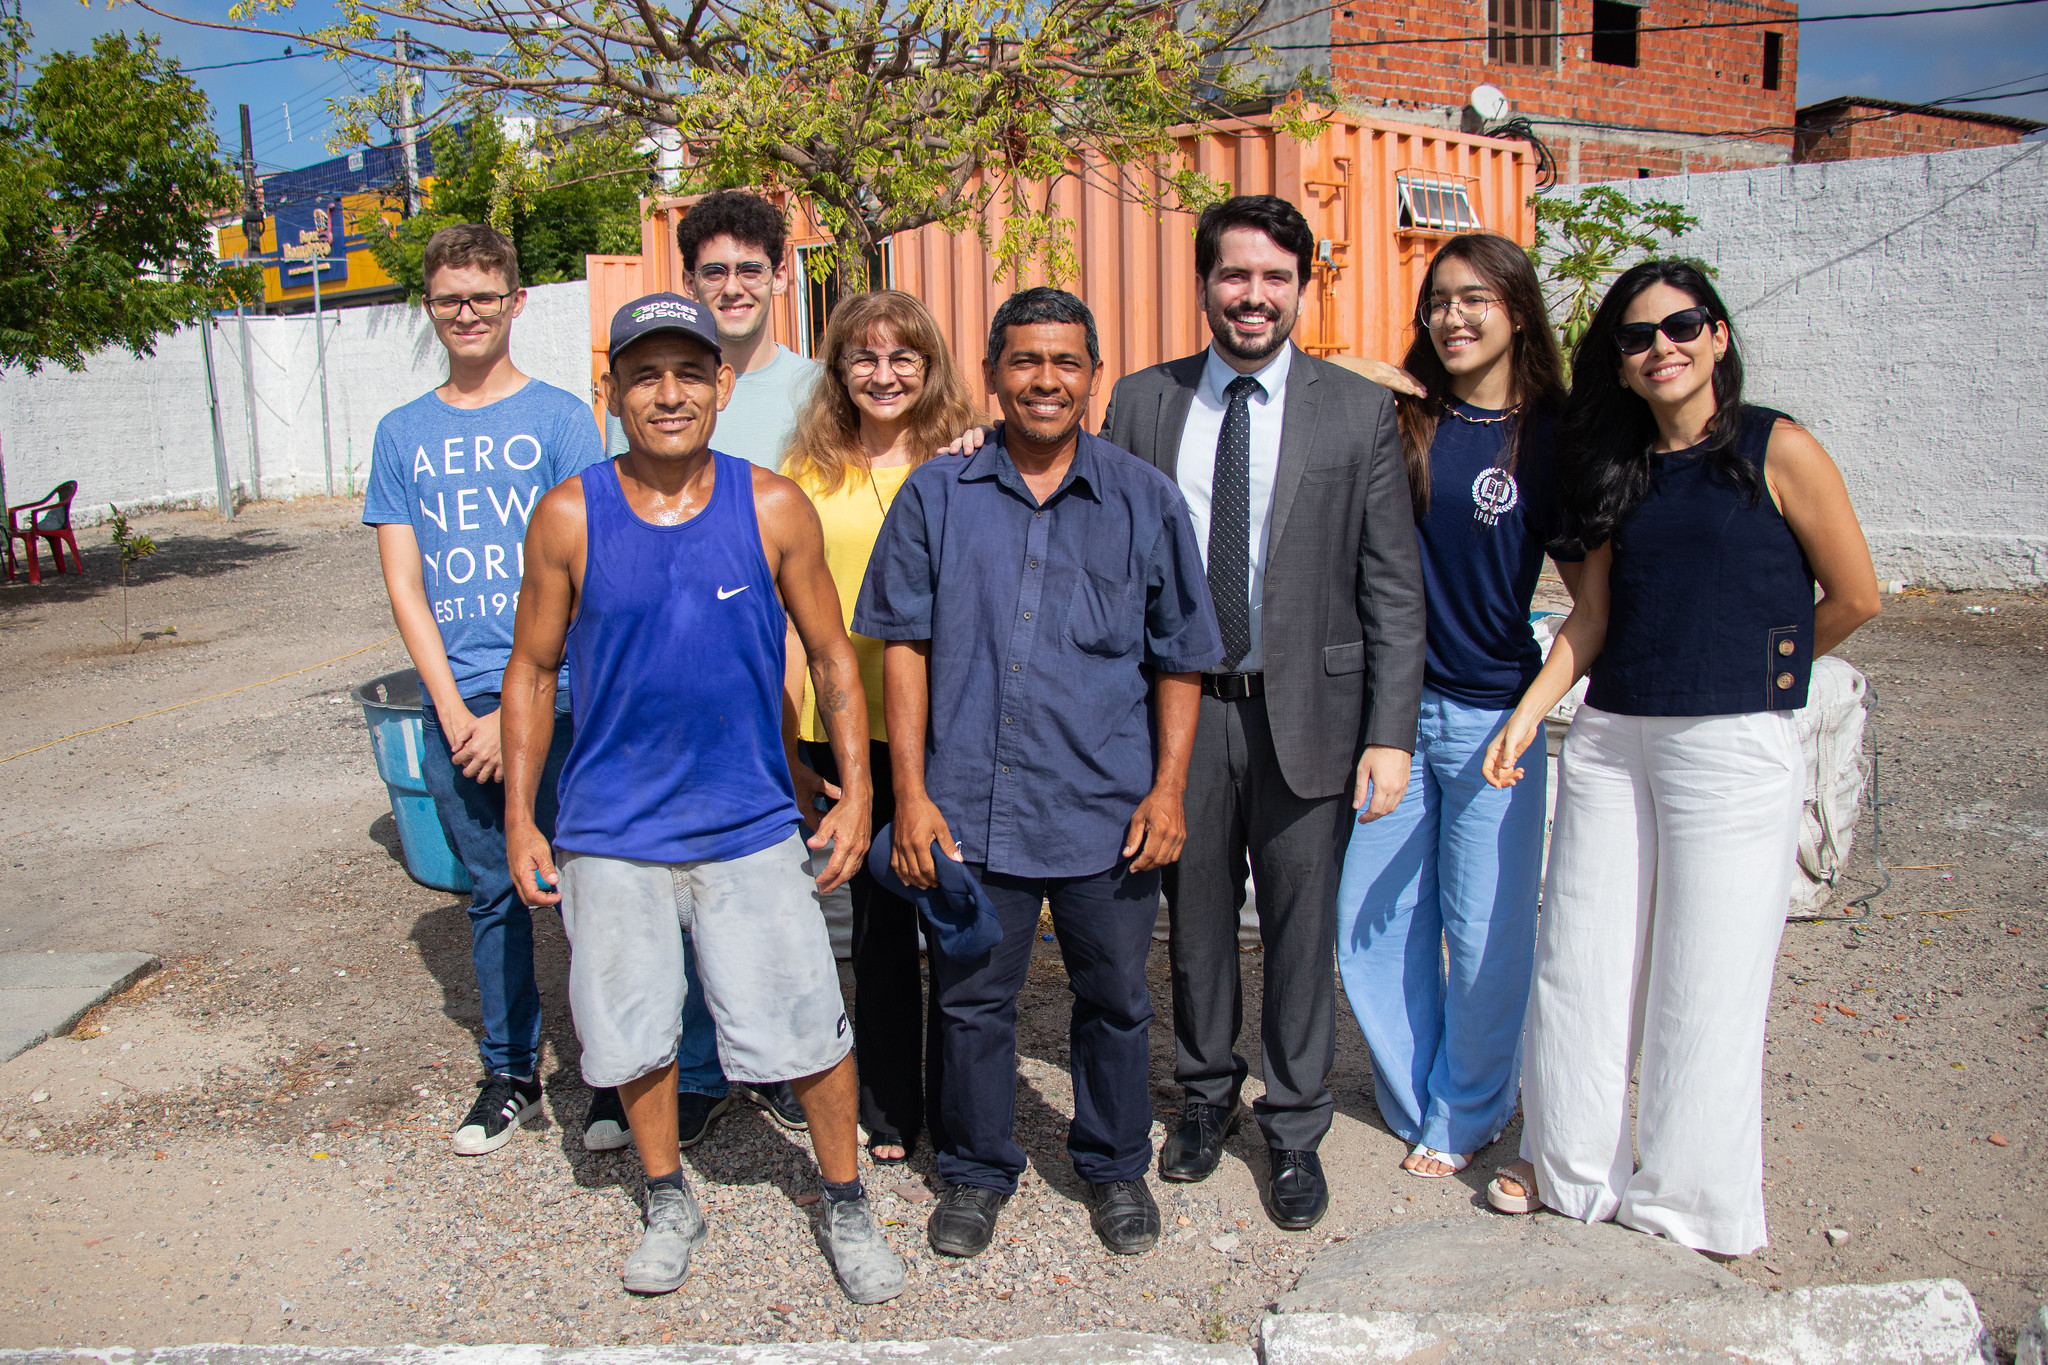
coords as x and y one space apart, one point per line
884 115
583 199
1585 239
109 171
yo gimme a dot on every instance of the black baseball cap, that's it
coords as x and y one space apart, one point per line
653 313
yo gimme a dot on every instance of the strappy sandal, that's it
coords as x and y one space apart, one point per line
1525 1178
888 1140
1451 1159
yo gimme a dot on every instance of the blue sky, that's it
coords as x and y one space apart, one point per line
1917 59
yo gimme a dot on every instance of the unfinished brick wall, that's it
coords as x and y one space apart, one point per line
1678 108
1849 130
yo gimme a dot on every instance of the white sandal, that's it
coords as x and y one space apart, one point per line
1451 1159
1526 1202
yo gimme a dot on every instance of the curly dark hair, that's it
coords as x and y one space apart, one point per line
1604 440
744 217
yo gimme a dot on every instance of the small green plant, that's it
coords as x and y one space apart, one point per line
1585 239
131 545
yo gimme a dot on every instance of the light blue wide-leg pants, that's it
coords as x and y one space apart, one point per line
1436 932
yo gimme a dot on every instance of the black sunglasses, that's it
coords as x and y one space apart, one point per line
1633 338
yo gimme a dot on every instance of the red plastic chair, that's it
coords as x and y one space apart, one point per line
51 519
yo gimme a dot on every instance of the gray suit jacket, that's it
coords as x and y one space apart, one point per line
1342 613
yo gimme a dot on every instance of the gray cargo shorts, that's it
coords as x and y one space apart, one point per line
764 959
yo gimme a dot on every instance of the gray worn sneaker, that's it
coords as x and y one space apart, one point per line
868 1270
674 1229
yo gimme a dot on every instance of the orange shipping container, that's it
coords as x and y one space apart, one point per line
1379 195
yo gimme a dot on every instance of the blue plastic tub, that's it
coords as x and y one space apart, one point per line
391 705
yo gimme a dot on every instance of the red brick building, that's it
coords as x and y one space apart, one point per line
1854 126
1613 89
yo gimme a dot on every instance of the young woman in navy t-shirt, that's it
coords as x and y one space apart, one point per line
1706 525
1456 866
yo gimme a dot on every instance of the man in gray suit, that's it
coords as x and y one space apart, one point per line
1292 469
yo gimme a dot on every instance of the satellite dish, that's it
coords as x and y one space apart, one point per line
1489 102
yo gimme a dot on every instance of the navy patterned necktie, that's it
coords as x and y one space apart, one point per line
1230 523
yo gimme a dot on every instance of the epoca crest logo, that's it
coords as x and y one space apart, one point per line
1494 495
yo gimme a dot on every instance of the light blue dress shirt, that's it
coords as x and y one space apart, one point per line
1196 469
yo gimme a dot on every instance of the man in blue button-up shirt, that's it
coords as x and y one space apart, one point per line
1047 613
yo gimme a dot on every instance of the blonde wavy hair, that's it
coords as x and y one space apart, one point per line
825 449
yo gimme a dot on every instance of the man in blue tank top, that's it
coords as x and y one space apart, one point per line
663 577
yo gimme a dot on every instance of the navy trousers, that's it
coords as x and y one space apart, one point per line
500 926
1104 927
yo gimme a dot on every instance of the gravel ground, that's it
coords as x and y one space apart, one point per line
252 1144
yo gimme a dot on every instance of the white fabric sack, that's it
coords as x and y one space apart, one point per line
1831 744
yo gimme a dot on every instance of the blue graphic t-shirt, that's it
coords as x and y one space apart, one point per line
466 481
1482 549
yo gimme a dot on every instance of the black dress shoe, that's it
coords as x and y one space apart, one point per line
1124 1216
1193 1150
963 1222
1297 1196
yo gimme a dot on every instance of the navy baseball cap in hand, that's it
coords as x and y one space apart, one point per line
653 313
957 909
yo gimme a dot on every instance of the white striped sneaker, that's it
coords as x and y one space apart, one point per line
502 1104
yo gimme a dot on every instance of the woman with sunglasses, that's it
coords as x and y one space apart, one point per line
888 398
1706 524
1436 911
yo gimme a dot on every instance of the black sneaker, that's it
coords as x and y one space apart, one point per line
696 1113
605 1128
779 1099
502 1104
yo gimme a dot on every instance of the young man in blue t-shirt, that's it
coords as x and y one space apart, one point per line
454 476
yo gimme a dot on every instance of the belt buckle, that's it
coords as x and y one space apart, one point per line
1233 686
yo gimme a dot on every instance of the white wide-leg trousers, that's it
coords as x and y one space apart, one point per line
1670 872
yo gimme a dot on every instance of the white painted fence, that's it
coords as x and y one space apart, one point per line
1898 307
137 432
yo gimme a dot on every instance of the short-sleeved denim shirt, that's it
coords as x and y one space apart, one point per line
1044 620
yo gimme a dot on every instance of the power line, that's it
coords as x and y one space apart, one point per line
1783 21
253 61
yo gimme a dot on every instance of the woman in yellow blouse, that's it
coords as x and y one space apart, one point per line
888 398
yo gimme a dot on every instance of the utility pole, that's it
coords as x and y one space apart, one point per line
252 201
407 148
224 489
320 244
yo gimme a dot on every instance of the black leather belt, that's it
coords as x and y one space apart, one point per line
1233 686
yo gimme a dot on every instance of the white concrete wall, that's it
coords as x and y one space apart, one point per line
1898 307
138 432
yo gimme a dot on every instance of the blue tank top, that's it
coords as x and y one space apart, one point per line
1712 610
677 652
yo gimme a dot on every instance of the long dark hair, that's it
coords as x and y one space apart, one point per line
1604 441
1538 367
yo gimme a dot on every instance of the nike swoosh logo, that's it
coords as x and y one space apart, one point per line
723 594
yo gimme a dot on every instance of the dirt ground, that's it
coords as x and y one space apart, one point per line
251 1145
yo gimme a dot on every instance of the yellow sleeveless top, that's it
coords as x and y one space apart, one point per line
852 519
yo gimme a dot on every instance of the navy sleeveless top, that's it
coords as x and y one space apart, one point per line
677 652
1712 610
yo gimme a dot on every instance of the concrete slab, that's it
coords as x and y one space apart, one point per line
1503 1265
43 994
1107 1348
2033 1343
1916 1322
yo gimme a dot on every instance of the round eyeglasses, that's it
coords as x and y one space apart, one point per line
752 274
861 364
1437 314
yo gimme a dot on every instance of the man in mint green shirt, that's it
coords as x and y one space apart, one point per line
735 264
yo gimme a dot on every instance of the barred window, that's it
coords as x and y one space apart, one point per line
1521 32
1434 204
